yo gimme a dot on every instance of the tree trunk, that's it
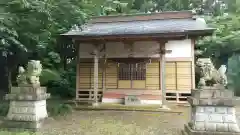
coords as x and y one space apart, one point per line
64 62
9 76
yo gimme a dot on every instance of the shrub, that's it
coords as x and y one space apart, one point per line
233 74
61 89
4 108
49 75
59 109
65 87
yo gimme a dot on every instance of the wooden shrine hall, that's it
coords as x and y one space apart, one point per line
149 56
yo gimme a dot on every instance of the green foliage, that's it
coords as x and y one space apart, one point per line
64 87
107 7
59 109
8 37
52 60
29 29
225 41
4 108
199 6
31 20
234 74
223 46
49 75
11 49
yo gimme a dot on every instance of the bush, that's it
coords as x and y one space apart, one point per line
61 89
233 74
59 109
49 75
4 108
65 87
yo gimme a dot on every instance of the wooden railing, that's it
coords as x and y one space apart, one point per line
87 95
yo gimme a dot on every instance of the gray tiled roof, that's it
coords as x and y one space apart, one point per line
140 27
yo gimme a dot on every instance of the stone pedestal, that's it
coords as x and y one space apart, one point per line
212 113
132 100
27 108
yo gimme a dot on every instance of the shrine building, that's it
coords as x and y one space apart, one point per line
145 55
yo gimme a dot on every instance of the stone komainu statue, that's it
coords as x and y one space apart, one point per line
31 75
208 73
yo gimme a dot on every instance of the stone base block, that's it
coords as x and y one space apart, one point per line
27 93
27 89
27 111
95 104
21 125
213 101
211 93
132 100
188 131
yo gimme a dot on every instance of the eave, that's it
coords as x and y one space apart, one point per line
143 37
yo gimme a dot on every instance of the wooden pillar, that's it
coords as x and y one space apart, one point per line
95 81
104 70
104 75
162 60
77 69
162 70
163 78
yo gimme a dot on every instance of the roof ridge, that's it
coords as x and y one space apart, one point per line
144 20
149 16
140 14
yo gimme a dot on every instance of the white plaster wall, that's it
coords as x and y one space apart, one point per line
180 48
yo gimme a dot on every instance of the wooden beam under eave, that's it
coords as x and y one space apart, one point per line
90 60
129 38
142 37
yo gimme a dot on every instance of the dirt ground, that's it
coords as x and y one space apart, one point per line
116 123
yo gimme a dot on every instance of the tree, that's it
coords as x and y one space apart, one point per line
10 47
225 41
64 15
30 28
16 40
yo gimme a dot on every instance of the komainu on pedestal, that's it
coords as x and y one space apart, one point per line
27 108
212 106
209 75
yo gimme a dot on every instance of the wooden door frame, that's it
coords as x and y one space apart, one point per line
131 79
